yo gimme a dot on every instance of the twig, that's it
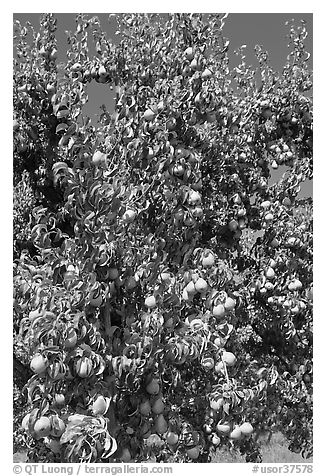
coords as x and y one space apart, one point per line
226 372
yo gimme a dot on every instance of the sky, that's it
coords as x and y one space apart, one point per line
266 29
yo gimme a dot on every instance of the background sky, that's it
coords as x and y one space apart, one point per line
266 29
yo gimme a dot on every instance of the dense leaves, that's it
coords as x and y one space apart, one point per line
162 286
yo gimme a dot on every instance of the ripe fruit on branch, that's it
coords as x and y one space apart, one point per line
190 288
50 88
25 422
241 212
295 285
193 453
95 298
71 268
71 339
150 302
275 243
309 293
242 224
53 444
38 364
84 367
186 71
131 283
113 274
198 212
246 428
186 296
201 285
93 72
179 217
216 405
215 439
69 276
266 204
53 54
189 53
267 113
286 202
160 106
172 438
171 124
165 277
295 310
99 158
298 284
270 273
189 220
42 427
194 64
180 153
125 455
44 52
235 433
127 135
102 71
149 115
269 286
292 241
207 73
233 225
129 216
153 440
219 368
220 341
34 315
161 425
269 217
219 311
208 260
207 363
178 170
229 358
223 428
207 429
169 323
59 399
76 67
100 405
153 387
150 154
145 408
210 116
229 304
192 119
158 406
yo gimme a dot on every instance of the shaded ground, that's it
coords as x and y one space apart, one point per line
276 451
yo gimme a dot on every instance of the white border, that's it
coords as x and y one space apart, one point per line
319 195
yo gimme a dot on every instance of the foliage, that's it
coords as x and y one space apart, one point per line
153 326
